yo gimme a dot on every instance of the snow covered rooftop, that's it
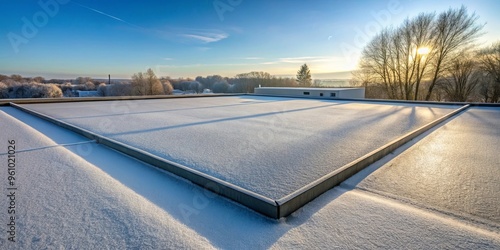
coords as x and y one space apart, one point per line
439 190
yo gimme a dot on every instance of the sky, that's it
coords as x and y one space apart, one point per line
67 39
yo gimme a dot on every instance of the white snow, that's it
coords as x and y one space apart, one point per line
64 201
455 169
86 196
272 146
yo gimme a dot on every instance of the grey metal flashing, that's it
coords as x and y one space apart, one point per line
264 205
482 104
4 102
367 100
243 196
299 198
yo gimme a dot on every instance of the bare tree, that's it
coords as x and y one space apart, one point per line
66 87
83 80
89 86
50 91
209 81
101 90
139 84
168 89
33 90
17 78
419 51
38 79
153 83
247 82
454 32
221 87
490 64
195 86
4 90
462 79
398 58
374 63
119 89
421 57
146 84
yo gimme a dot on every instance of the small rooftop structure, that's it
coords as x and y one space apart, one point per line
327 93
177 92
84 93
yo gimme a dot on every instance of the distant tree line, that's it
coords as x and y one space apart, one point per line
245 82
431 57
13 89
142 83
16 86
147 83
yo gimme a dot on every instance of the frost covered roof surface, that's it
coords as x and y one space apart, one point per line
271 146
455 169
78 194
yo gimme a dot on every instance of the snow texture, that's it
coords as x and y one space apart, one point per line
65 202
455 169
87 196
269 145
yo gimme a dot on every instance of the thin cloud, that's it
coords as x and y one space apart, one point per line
206 37
297 60
202 65
253 58
186 35
269 63
168 59
305 59
106 14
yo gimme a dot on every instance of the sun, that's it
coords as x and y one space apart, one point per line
423 50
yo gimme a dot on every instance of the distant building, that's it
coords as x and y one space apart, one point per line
81 93
177 92
327 93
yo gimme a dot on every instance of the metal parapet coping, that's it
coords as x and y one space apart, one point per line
259 203
392 101
4 102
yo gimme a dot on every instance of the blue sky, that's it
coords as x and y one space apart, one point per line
202 37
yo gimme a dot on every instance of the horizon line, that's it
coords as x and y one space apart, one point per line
316 76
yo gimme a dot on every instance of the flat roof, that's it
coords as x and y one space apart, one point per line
271 146
102 198
453 169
